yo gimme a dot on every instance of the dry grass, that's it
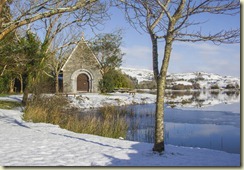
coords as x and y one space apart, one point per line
45 109
9 104
111 122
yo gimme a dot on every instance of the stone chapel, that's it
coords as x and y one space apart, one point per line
81 71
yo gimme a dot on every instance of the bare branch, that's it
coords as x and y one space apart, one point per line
8 27
4 68
174 26
164 7
226 37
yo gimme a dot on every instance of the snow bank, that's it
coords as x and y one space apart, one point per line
39 144
91 100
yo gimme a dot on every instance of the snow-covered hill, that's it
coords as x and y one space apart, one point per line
139 74
195 80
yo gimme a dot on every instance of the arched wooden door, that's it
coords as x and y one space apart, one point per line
83 83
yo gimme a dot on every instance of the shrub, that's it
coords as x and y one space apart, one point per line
232 86
107 84
147 85
186 101
181 87
4 87
114 79
215 86
45 85
199 79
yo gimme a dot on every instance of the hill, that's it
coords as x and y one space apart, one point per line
186 81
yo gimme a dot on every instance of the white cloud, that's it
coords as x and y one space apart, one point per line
203 47
137 57
208 48
223 59
137 51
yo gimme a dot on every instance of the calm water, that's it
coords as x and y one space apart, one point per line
202 119
203 128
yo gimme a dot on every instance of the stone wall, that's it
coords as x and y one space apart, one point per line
81 61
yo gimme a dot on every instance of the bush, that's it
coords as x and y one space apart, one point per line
186 101
232 86
45 85
114 79
199 79
4 87
147 85
181 87
214 87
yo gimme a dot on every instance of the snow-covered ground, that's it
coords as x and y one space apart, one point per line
139 74
95 100
29 144
92 100
39 144
203 101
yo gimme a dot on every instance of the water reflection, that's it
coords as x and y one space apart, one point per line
204 119
219 130
217 137
198 99
220 137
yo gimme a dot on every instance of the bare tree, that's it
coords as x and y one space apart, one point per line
63 31
54 17
170 21
59 51
29 11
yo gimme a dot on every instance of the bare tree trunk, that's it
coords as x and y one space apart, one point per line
11 86
161 83
26 91
56 84
21 83
154 55
170 20
159 120
25 96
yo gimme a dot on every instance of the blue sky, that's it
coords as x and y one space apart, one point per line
186 57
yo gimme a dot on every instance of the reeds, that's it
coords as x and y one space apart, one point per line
108 122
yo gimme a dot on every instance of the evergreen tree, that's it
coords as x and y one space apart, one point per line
114 79
107 49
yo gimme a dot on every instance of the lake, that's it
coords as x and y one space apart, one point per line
215 124
201 119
